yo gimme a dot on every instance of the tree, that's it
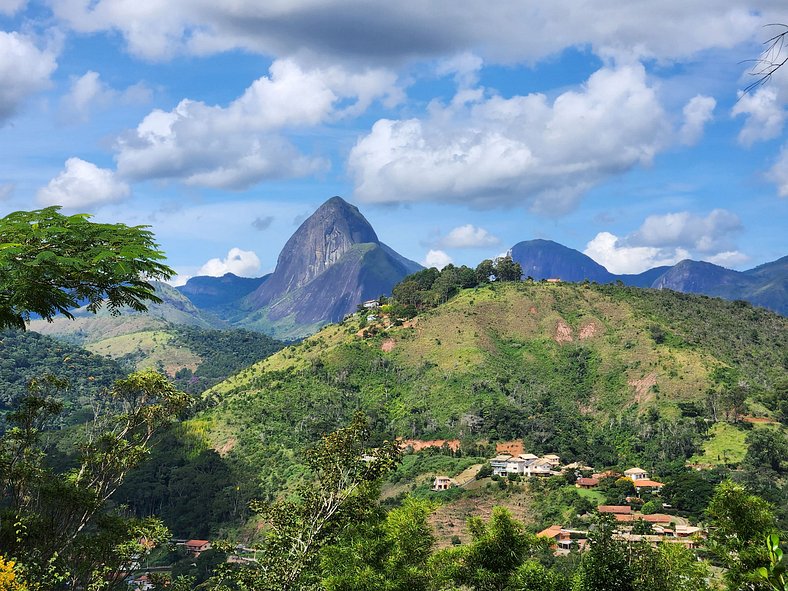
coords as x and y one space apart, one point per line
496 551
772 58
738 524
767 448
507 270
51 263
343 490
382 555
55 524
605 567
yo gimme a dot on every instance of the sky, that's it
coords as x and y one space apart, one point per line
458 128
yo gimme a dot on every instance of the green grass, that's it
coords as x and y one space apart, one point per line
725 446
592 495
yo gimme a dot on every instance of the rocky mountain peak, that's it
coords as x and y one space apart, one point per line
319 242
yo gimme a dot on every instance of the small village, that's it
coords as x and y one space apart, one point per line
632 525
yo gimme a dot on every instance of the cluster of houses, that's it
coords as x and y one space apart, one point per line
639 477
663 528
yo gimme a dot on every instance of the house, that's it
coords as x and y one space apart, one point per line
615 509
520 464
553 280
498 464
140 583
195 547
646 483
443 483
371 304
540 467
553 459
636 474
586 482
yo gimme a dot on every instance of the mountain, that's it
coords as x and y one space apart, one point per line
333 262
545 259
210 293
766 285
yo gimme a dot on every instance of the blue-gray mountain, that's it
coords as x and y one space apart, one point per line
333 262
766 285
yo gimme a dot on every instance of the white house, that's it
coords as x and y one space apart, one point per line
442 483
498 464
636 473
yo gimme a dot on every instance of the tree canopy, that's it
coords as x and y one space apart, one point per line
51 262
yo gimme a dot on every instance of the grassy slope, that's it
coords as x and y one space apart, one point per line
495 346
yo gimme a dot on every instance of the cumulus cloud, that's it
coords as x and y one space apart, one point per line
669 238
24 70
437 259
89 91
765 115
778 173
490 151
395 31
609 251
468 236
239 145
83 184
708 234
697 112
243 263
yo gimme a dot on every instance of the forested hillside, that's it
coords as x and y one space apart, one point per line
608 375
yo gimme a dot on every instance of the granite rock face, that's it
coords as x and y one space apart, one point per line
333 262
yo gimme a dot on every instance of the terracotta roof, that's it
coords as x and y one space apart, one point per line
620 517
197 542
617 509
658 518
646 483
587 481
551 532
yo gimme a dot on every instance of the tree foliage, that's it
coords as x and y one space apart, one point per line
55 524
52 263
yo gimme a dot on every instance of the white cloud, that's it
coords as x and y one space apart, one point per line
729 259
348 30
83 184
765 115
243 263
489 151
778 173
708 234
24 70
468 236
88 92
607 250
669 238
437 259
241 144
11 6
697 112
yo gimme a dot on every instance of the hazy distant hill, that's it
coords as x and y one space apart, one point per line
219 292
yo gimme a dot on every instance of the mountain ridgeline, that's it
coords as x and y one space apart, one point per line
766 285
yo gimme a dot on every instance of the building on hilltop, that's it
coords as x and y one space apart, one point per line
443 483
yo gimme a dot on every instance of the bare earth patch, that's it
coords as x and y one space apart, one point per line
642 386
514 448
451 520
760 420
563 333
227 446
588 331
420 444
387 346
532 310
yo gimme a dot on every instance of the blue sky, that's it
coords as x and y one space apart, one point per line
458 129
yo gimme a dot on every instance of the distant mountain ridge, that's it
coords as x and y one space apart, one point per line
765 285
